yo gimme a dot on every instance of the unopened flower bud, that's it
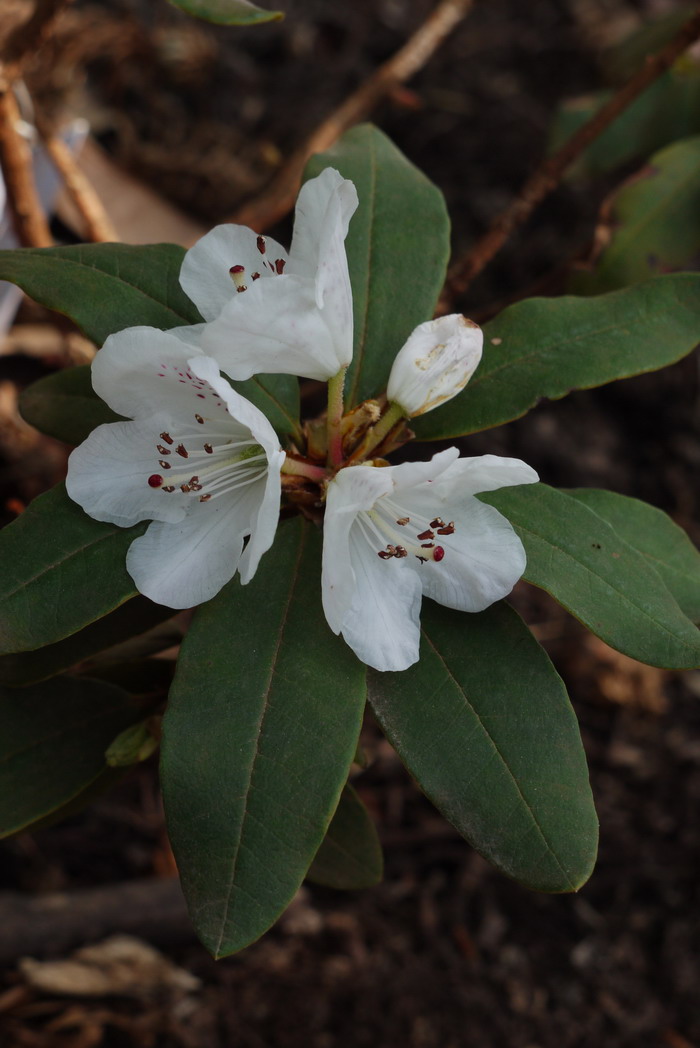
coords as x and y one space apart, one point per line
435 364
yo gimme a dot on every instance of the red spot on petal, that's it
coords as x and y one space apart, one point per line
155 480
438 553
201 396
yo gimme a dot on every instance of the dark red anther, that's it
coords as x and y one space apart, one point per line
198 418
255 276
384 555
209 449
155 480
280 263
167 438
261 245
448 529
426 535
182 450
438 553
437 523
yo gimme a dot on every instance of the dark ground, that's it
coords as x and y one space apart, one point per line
446 952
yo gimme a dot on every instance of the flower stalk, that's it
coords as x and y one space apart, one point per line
299 468
336 409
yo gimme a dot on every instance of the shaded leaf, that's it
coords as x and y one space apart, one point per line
397 246
574 555
61 571
654 219
351 855
484 724
52 745
65 406
130 619
227 12
652 532
260 731
545 347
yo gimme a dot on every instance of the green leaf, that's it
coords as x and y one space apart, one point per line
397 246
574 555
227 12
545 347
484 724
132 618
624 58
104 287
133 745
652 532
65 406
351 855
52 745
61 571
665 112
655 223
262 725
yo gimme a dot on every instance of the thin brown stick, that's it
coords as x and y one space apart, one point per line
30 222
29 36
98 226
279 197
548 175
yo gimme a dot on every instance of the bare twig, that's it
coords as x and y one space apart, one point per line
16 162
279 197
29 36
98 226
548 175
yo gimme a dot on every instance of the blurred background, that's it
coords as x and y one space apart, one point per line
187 125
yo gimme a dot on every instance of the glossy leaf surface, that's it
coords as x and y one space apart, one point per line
597 576
65 406
661 541
545 347
351 855
61 571
261 728
397 246
484 724
52 745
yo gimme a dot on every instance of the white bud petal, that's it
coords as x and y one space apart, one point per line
435 364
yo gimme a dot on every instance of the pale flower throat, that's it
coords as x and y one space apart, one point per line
387 520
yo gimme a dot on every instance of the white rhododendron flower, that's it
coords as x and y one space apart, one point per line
198 460
272 312
435 364
393 534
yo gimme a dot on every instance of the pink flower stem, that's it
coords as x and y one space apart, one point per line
299 468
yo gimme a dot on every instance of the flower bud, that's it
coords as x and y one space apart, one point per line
435 364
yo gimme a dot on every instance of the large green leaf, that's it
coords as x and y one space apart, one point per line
130 619
261 728
397 246
545 347
52 745
105 287
227 12
657 537
602 580
351 855
484 724
64 405
61 571
655 223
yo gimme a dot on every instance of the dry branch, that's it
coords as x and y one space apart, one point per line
279 197
549 174
30 222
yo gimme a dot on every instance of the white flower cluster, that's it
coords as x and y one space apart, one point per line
204 464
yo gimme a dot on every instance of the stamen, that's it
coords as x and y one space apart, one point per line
209 449
204 498
167 438
237 274
182 450
262 247
155 480
448 529
163 464
403 521
163 450
437 523
428 534
255 276
168 488
199 419
280 263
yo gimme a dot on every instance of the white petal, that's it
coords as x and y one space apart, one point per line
181 565
108 475
205 276
264 519
142 370
324 209
483 560
469 476
382 626
352 490
435 364
273 327
241 410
